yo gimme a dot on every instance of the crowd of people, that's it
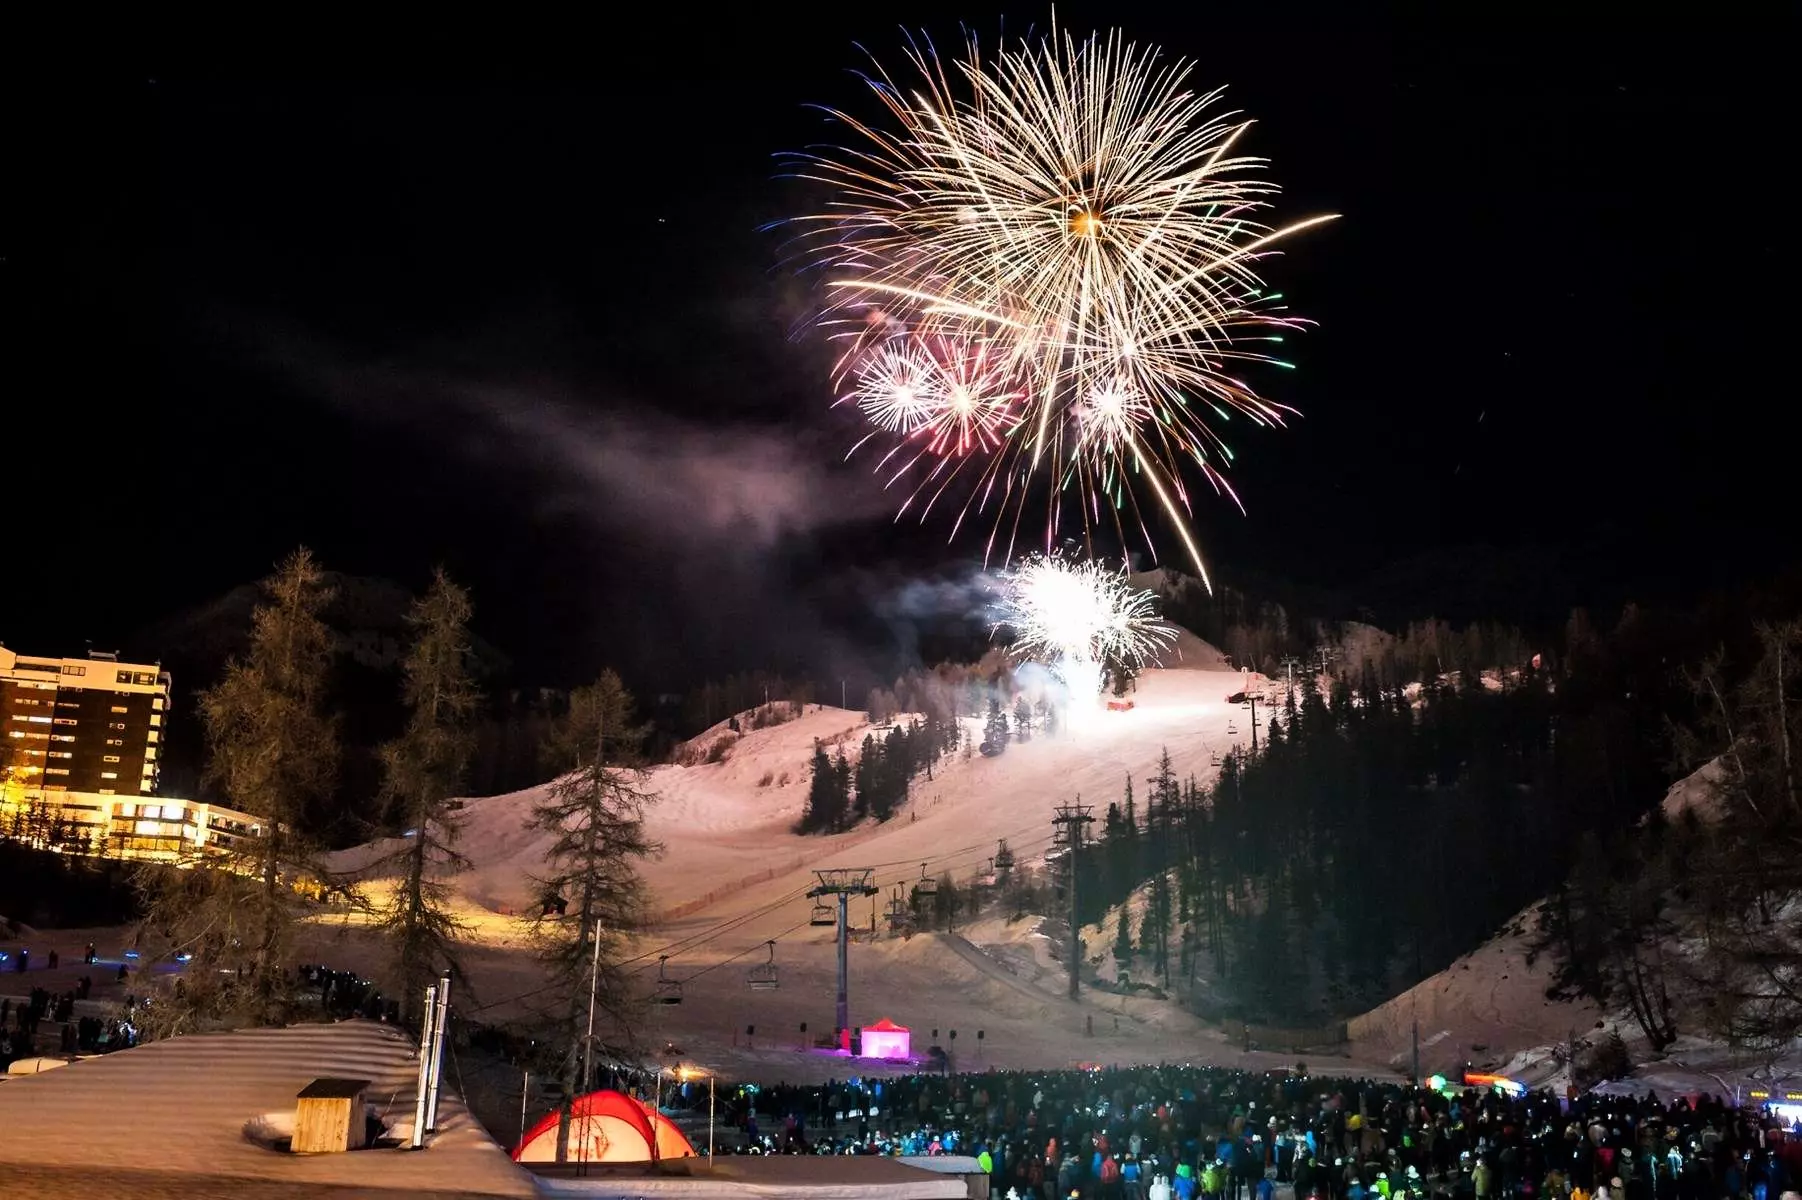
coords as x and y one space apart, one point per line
1145 1133
21 1025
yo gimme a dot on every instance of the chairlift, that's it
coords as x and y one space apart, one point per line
669 991
823 915
762 977
1232 728
1004 859
1214 758
928 886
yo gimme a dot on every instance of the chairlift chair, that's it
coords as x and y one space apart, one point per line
928 886
1232 728
762 977
1214 758
668 991
823 915
1004 859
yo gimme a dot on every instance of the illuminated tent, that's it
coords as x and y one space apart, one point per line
606 1126
885 1039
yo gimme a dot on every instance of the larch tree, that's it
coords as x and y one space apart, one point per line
271 751
422 771
595 898
1748 852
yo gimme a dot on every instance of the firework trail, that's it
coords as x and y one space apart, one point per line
1073 213
1077 618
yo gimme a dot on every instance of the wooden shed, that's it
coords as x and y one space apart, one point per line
329 1116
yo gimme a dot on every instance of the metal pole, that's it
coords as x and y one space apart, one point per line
525 1090
425 1066
1075 828
594 978
431 1112
709 1120
844 993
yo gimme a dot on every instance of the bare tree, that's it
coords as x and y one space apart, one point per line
1747 876
272 749
593 896
422 770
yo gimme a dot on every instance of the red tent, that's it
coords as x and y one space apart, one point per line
885 1039
606 1126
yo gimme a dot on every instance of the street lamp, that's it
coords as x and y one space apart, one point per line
687 1073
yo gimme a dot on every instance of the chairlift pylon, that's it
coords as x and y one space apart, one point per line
669 991
763 977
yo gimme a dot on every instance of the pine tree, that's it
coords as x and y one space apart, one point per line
868 778
994 730
595 816
823 814
1022 720
272 751
841 784
423 769
892 779
947 902
1123 937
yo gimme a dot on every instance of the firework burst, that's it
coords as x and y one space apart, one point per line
1078 212
1077 618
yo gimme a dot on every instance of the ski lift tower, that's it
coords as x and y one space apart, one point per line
844 883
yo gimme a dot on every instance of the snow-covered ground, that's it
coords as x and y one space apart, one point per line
734 876
180 1109
1482 1009
1491 1008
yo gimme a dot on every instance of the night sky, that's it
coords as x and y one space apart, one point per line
516 315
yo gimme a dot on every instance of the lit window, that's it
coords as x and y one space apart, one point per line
106 791
55 753
56 770
149 756
107 774
153 735
111 724
119 708
60 737
68 670
109 758
18 733
124 677
36 720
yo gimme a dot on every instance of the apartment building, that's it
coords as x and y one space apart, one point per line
80 750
